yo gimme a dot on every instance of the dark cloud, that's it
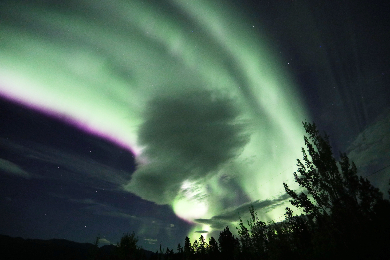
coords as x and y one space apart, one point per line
232 215
186 136
158 182
202 231
215 223
199 128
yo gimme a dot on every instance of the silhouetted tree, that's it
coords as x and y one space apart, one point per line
195 246
247 249
298 234
94 251
187 248
339 203
169 254
127 248
202 246
213 250
180 249
229 245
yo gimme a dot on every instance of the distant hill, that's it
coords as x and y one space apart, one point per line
59 249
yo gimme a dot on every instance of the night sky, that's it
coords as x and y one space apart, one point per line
170 118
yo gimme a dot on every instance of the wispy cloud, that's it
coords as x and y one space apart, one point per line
232 215
13 169
67 166
104 241
151 241
102 209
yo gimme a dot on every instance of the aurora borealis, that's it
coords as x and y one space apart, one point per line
202 94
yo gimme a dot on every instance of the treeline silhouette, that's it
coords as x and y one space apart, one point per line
60 249
16 248
342 216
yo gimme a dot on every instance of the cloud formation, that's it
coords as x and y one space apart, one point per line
72 166
232 215
151 241
202 231
104 209
104 241
13 169
187 136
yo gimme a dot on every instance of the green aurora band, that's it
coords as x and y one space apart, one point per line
100 64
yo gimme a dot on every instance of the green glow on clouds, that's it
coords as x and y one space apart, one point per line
101 64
